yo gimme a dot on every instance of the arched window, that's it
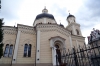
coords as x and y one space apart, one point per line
6 52
29 50
10 50
77 32
25 50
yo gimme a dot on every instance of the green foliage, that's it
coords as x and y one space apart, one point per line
1 50
1 38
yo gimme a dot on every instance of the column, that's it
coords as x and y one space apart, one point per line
54 56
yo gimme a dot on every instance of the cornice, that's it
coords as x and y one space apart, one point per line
28 32
57 37
52 27
21 27
26 29
9 30
78 37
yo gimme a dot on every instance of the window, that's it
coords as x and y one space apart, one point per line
27 50
10 50
6 52
77 32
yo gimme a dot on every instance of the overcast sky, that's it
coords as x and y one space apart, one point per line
87 12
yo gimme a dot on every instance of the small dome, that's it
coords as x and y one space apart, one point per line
70 16
61 25
44 15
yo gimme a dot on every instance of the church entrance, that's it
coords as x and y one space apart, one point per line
58 55
58 52
58 46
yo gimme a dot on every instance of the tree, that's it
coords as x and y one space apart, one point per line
1 38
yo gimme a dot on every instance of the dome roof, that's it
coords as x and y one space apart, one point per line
44 15
61 25
70 16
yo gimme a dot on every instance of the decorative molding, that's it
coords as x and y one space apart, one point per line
25 27
53 27
28 32
78 37
10 32
9 28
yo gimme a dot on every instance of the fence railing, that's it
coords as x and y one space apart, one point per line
86 56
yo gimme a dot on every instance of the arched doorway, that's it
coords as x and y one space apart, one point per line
58 55
57 44
58 51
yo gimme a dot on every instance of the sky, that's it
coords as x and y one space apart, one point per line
87 12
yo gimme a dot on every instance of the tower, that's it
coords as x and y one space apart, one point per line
73 26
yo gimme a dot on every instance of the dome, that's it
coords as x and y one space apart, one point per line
70 16
61 25
44 15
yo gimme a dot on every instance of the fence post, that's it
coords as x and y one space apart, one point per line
75 57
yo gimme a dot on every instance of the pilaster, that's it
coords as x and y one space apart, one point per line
38 47
16 47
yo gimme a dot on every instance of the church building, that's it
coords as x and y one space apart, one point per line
36 45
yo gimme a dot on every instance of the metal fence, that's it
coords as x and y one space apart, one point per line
86 56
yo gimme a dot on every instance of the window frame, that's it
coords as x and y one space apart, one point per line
10 49
6 52
27 50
